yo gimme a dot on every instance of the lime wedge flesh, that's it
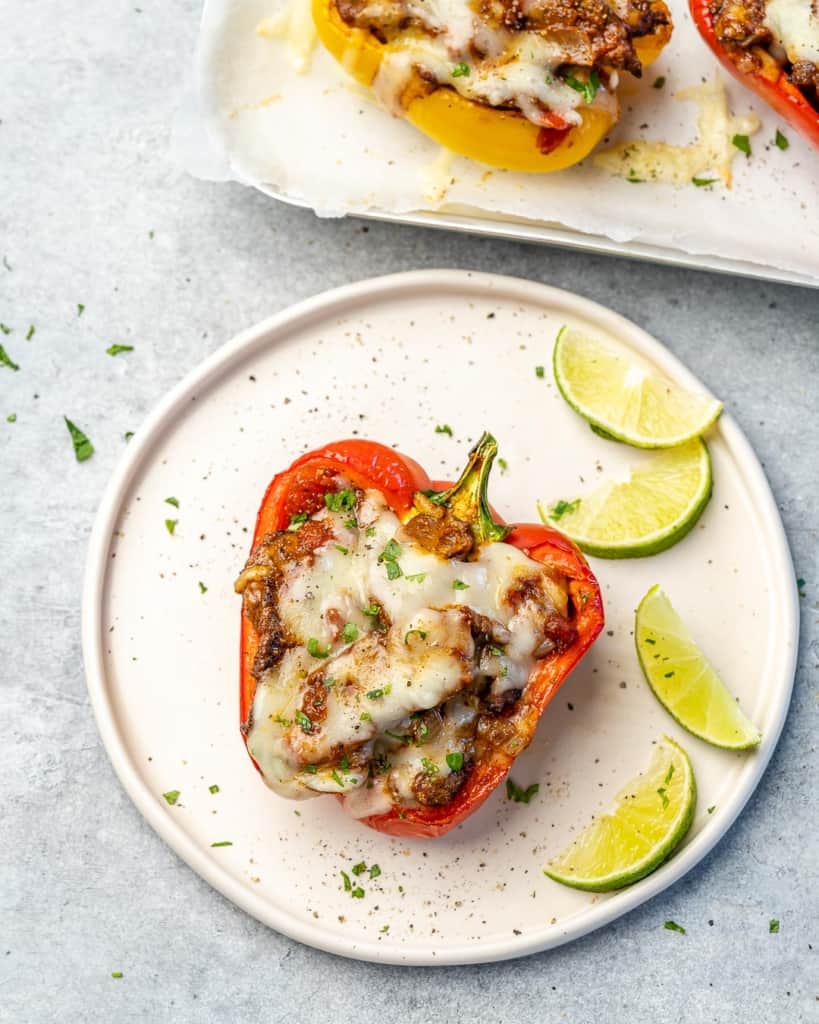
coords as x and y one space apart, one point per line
684 681
650 818
647 513
617 394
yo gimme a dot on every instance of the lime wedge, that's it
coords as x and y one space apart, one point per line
651 816
684 681
657 506
623 398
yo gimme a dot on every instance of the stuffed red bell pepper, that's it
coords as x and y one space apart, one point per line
771 46
399 643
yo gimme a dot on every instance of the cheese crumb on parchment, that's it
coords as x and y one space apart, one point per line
295 25
713 152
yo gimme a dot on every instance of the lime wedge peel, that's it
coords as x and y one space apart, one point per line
650 818
651 511
684 681
624 399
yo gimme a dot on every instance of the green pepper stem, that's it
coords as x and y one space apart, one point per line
467 499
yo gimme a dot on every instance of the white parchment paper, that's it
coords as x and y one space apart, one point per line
321 140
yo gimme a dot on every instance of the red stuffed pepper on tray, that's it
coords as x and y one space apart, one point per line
399 643
771 46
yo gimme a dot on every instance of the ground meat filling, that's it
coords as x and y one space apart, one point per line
740 26
591 32
471 723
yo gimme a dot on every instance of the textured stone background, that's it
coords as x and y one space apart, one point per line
92 212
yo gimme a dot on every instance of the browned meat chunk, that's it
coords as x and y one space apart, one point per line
438 530
432 789
740 21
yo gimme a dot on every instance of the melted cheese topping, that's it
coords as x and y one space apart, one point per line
517 69
371 681
795 26
640 160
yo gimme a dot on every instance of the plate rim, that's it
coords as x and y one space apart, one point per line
263 334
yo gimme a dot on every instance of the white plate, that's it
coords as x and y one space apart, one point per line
390 359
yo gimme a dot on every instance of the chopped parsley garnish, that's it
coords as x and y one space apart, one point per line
780 141
83 449
6 360
296 521
373 610
30 332
337 778
382 691
461 70
659 82
459 585
172 501
504 465
370 531
588 89
540 371
311 769
663 796
357 893
348 885
128 435
417 577
455 760
303 720
430 767
315 650
444 428
402 738
342 549
561 508
80 309
375 871
773 926
359 869
518 794
171 796
329 683
712 808
5 328
672 926
344 763
420 633
341 501
365 716
422 733
389 557
114 350
497 651
11 418
202 588
116 974
170 525
703 182
213 789
743 144
350 633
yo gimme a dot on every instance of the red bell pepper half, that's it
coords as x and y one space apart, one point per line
767 78
369 465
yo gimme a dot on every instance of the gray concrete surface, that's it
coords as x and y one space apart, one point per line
91 212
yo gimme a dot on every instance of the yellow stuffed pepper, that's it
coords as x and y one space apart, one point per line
522 85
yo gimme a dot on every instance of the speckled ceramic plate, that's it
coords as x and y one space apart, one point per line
390 359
